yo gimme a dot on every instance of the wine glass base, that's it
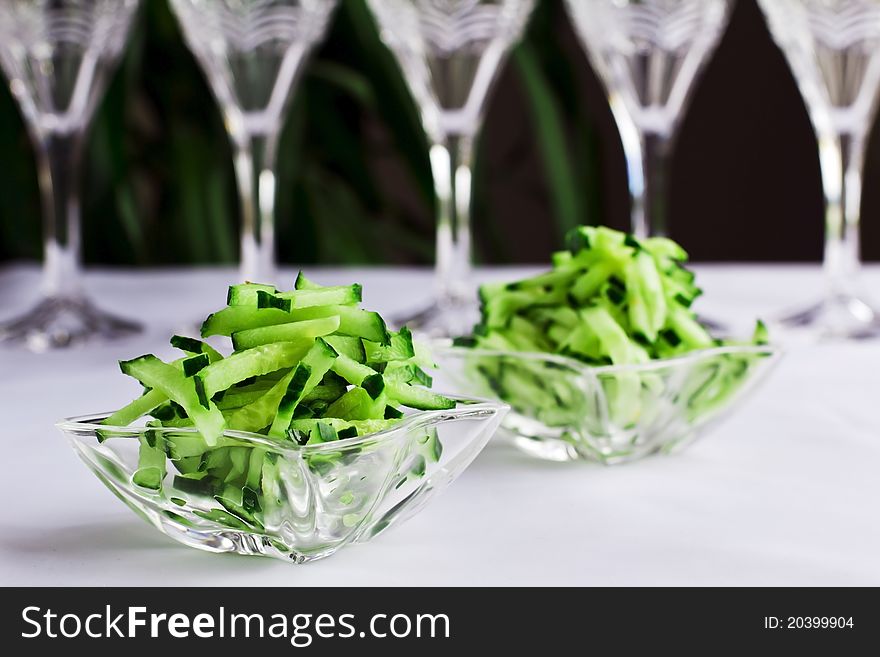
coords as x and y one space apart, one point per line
58 322
840 316
444 318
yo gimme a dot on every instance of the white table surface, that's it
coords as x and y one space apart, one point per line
784 492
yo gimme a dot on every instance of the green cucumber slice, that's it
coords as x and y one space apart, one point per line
417 397
292 332
348 346
327 296
246 293
307 375
155 374
251 362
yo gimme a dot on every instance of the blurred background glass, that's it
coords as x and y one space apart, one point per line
353 175
649 54
450 53
57 56
252 53
833 47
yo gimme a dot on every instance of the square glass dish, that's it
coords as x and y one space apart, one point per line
562 409
252 495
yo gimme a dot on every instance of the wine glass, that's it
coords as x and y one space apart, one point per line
58 56
252 52
450 52
833 48
648 53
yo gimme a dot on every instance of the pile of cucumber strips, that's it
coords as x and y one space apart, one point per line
609 300
307 366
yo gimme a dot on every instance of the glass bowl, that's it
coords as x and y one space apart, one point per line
295 503
562 409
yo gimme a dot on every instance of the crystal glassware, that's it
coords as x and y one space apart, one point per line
450 52
58 56
648 53
563 409
833 48
307 502
252 52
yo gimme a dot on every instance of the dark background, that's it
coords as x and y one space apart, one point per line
354 184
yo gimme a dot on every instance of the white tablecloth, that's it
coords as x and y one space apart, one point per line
784 492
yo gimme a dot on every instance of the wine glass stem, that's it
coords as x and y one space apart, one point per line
650 195
59 157
451 161
255 171
841 158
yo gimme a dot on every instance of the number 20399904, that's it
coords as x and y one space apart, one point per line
808 622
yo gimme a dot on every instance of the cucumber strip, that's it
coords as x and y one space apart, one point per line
325 392
236 398
663 247
306 376
268 300
136 409
152 372
356 404
327 296
194 364
354 322
401 348
193 346
407 373
348 346
259 414
246 293
588 284
151 462
417 397
273 489
239 318
374 385
252 362
303 283
689 330
351 370
293 332
255 467
313 428
550 278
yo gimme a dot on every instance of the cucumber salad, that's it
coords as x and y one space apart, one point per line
609 300
307 366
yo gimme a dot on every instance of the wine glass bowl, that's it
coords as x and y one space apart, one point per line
58 57
252 53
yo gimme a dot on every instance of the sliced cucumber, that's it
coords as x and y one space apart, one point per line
155 374
326 296
252 362
246 293
291 332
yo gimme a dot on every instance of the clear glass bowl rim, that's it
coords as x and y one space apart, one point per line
771 350
472 407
